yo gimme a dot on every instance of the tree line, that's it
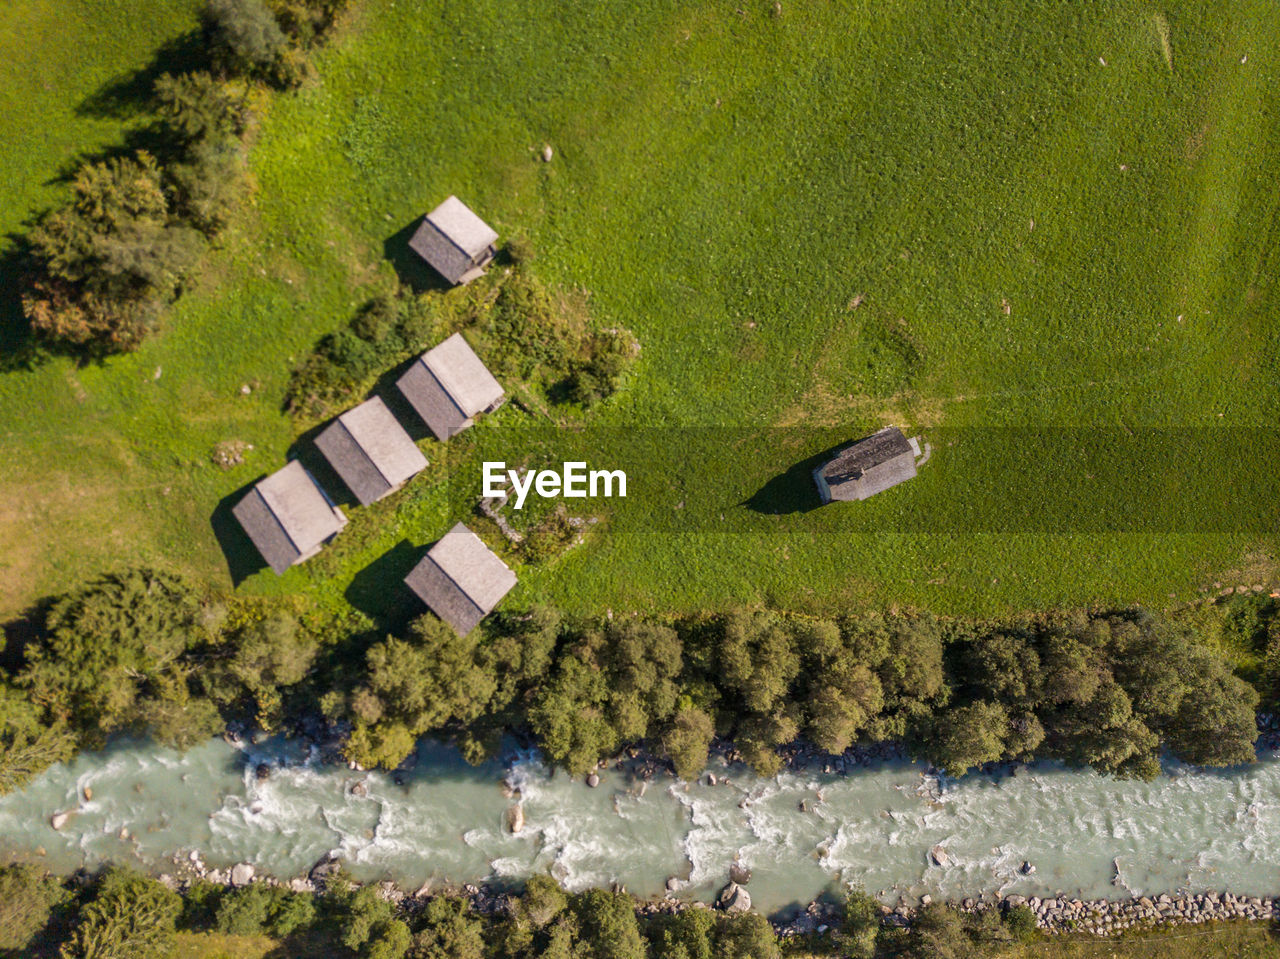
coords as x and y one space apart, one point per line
100 269
149 653
121 914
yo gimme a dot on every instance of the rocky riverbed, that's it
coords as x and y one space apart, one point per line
1054 916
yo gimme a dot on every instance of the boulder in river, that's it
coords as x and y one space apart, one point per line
739 873
593 780
938 854
359 789
515 818
262 772
1026 868
88 793
242 874
325 868
60 819
733 898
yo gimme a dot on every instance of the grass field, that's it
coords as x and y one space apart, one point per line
1054 216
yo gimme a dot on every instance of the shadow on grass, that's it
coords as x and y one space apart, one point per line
20 632
17 344
379 591
405 415
411 269
793 491
130 94
243 558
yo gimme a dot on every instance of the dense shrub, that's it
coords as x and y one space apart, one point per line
521 330
102 268
244 38
129 917
386 331
27 898
107 261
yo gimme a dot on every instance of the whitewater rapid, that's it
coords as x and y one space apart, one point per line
799 833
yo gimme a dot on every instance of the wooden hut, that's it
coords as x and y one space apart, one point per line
456 242
461 579
370 450
288 517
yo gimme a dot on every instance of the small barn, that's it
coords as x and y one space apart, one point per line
869 466
461 579
456 242
448 385
370 450
288 517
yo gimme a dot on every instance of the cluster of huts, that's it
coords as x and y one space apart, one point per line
290 517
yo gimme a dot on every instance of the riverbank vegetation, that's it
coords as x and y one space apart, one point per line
120 914
147 653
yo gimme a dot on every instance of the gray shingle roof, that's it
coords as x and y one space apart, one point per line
461 579
371 451
288 517
869 466
453 240
448 385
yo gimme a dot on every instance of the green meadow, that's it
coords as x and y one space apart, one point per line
987 221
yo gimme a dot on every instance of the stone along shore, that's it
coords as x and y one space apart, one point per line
1105 917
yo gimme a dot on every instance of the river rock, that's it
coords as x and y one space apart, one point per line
60 819
1026 868
262 772
733 898
515 818
88 793
940 856
739 873
673 884
593 780
301 885
325 868
359 789
242 874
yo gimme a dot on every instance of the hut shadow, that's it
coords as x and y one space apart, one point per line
410 268
386 390
243 558
379 591
793 491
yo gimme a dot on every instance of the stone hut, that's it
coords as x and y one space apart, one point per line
370 450
288 517
461 579
456 242
869 466
448 385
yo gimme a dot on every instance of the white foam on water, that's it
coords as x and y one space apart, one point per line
875 826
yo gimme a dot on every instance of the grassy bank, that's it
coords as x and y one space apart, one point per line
1048 215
